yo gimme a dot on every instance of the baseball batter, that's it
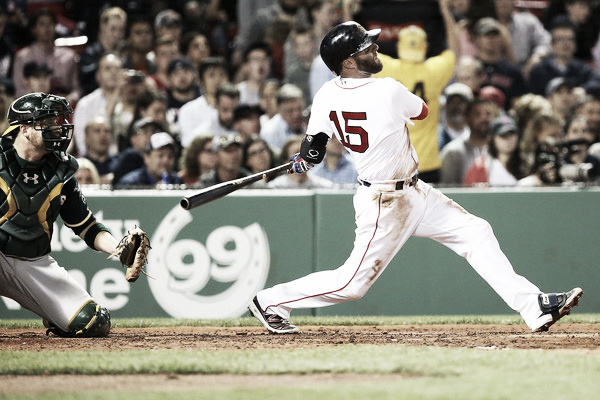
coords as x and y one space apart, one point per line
370 116
37 185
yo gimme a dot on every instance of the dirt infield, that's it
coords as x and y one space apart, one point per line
563 336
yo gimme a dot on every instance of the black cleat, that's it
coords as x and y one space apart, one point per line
273 322
554 306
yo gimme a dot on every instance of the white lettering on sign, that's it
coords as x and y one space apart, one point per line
236 260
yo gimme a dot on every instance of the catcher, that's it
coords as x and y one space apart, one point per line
37 185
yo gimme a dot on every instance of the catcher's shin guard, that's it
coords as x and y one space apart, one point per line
92 320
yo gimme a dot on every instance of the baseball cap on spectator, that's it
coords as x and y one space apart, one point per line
493 94
135 76
180 63
503 125
485 26
412 44
143 122
459 89
33 68
167 18
160 140
557 83
223 142
243 111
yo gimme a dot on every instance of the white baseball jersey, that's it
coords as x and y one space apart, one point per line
376 136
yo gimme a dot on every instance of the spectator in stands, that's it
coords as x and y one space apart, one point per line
139 42
289 120
257 61
98 142
229 161
102 101
528 106
87 173
7 92
213 73
583 15
296 181
501 165
7 47
324 16
37 77
197 159
152 104
159 162
454 122
258 156
166 49
542 128
168 23
459 8
290 10
268 99
132 88
195 46
111 33
469 70
494 94
62 61
562 62
132 157
458 155
246 120
246 11
337 166
298 73
499 72
220 123
530 40
559 93
183 88
578 137
590 109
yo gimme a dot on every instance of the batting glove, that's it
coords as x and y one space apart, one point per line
300 165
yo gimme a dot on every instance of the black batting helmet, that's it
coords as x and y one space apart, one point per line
345 40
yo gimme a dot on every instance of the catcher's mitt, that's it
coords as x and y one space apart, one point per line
132 252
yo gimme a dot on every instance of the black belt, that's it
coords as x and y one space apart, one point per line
399 184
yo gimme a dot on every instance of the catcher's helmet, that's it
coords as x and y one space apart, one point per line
345 40
48 113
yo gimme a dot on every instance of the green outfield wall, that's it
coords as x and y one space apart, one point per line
210 261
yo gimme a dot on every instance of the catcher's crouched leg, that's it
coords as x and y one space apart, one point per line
92 320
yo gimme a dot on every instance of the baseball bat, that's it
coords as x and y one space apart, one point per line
214 192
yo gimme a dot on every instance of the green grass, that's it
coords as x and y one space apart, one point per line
404 372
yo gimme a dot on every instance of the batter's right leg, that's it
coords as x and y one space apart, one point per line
473 238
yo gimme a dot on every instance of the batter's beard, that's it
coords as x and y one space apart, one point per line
371 65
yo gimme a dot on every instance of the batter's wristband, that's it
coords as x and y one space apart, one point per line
90 235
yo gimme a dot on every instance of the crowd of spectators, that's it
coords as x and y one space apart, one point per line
192 93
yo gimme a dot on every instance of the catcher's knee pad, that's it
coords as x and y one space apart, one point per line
92 320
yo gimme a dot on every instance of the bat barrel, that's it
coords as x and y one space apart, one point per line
217 191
